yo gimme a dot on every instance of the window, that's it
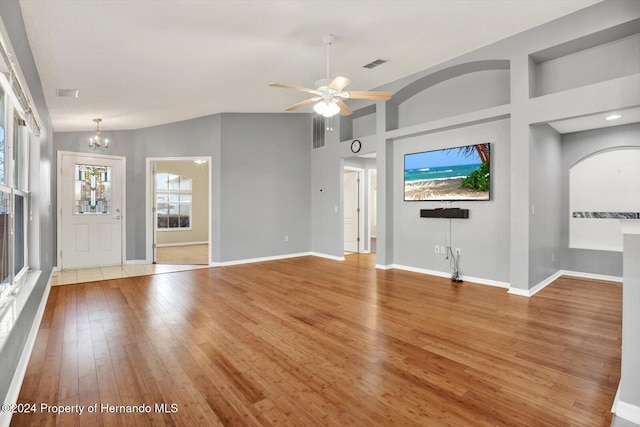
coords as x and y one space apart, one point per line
14 195
93 190
173 201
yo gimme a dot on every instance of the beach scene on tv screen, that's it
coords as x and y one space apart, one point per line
460 173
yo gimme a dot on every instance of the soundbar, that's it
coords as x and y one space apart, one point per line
444 213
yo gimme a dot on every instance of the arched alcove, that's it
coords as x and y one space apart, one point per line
606 181
455 90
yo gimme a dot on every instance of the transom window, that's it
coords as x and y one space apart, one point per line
173 201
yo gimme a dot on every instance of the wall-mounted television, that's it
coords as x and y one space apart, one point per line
450 174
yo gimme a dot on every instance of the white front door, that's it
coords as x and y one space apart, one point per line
351 208
91 194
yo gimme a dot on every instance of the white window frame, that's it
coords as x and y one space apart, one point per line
13 112
179 192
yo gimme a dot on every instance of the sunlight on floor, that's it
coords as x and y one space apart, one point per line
67 277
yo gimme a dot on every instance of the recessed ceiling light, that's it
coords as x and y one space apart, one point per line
67 93
613 117
200 162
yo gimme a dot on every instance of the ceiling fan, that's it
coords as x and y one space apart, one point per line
330 94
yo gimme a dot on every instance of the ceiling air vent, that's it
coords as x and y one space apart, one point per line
374 64
67 93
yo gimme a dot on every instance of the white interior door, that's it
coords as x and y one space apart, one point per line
351 203
91 211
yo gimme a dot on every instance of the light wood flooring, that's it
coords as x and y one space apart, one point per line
309 341
80 275
187 254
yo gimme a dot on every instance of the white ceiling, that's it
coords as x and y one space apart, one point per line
140 63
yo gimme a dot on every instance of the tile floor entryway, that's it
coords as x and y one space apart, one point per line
67 277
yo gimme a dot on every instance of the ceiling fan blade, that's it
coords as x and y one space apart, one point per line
380 96
301 104
339 83
344 110
301 89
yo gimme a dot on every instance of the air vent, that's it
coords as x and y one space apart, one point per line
318 132
374 64
67 93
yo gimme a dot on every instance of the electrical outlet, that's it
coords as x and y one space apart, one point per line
553 256
458 252
436 249
286 238
443 250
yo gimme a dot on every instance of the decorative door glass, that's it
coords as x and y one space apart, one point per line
93 190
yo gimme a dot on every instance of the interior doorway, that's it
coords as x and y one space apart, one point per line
180 214
372 206
352 209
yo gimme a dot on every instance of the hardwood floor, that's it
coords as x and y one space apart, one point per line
310 341
187 254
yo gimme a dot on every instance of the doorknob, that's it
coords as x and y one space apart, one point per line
118 217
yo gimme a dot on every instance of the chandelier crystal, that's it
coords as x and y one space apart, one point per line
96 142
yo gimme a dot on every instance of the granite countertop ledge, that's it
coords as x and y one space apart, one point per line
607 215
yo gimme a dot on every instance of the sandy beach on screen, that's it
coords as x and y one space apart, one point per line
441 189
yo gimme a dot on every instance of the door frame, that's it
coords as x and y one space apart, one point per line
361 232
124 215
150 198
370 200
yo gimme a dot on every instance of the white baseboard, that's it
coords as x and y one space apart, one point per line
546 282
591 276
327 256
384 267
164 245
137 262
628 411
261 259
537 288
477 280
21 369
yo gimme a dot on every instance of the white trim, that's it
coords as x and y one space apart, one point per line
59 198
520 292
616 399
537 288
136 262
546 282
476 280
360 214
384 267
370 173
591 276
327 256
21 369
261 259
149 229
628 411
163 245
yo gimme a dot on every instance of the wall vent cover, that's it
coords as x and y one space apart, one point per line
318 132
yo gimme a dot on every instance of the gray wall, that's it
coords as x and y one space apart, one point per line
40 196
265 185
575 147
260 180
630 381
462 94
546 203
483 238
460 102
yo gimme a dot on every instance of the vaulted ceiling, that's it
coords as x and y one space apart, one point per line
139 63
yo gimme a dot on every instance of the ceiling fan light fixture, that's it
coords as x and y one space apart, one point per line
326 109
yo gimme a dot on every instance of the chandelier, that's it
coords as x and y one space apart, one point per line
95 142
